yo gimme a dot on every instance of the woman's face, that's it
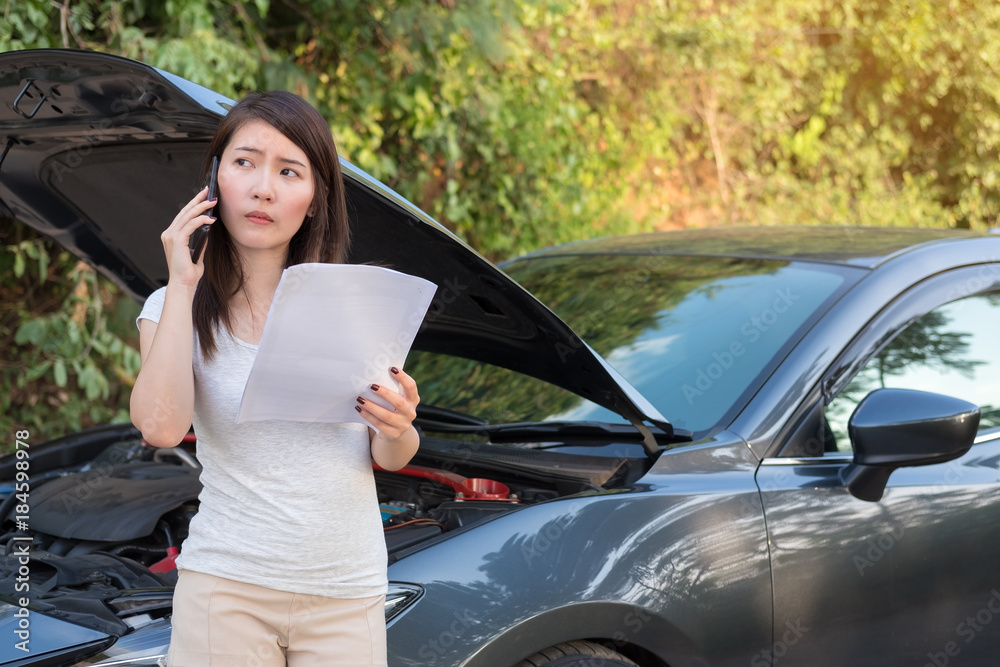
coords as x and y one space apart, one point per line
266 188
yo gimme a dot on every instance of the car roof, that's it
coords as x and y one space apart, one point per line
865 247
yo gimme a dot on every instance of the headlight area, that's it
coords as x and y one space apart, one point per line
399 598
146 646
34 638
146 613
53 641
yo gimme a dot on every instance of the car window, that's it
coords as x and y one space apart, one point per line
952 350
493 394
697 336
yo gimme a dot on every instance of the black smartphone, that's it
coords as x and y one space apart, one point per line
199 237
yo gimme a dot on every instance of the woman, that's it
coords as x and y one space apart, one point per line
285 562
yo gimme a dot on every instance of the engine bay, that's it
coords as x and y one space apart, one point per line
107 527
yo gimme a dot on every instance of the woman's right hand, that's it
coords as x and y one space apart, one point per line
175 240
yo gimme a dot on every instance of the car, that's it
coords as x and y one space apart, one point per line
757 446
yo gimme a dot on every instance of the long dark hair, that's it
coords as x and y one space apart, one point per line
323 237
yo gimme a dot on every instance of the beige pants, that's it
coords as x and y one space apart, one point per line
224 623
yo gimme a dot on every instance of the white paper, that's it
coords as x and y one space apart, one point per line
332 330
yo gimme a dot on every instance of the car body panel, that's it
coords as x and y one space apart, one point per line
883 564
861 573
847 581
692 543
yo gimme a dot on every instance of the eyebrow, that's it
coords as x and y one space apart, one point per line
250 149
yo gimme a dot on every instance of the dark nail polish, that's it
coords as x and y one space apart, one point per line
374 387
395 371
358 408
361 400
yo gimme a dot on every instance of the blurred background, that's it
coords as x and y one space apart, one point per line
523 123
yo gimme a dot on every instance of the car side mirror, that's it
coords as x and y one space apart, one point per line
894 428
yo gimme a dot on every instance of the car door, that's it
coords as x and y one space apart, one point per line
913 578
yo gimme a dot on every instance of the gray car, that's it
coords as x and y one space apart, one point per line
775 447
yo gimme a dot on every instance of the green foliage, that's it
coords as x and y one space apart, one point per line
71 363
203 40
798 111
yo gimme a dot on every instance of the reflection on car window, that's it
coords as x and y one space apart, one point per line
952 350
695 335
498 395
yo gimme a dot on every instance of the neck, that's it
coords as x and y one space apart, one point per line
263 271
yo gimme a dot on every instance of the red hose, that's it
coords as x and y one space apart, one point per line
466 488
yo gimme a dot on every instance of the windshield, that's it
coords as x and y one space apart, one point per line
695 335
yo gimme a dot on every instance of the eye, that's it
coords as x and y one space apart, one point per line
287 171
242 162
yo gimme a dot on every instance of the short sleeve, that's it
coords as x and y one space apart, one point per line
153 307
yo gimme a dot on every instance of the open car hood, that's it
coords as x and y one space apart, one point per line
100 152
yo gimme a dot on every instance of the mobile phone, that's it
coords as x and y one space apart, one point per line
199 237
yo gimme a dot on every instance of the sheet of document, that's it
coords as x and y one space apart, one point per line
332 330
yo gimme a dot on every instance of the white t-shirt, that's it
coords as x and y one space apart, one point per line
286 505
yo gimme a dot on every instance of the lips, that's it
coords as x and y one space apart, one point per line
259 217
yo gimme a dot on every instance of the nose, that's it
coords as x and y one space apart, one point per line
262 187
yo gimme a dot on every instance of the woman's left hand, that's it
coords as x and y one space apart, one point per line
396 441
392 424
